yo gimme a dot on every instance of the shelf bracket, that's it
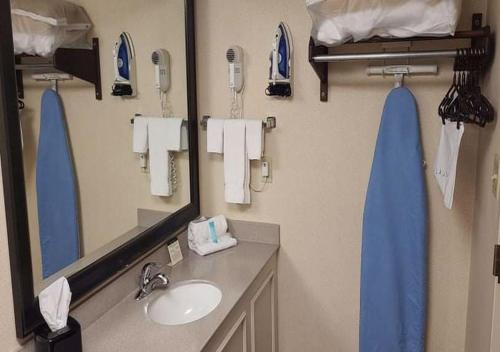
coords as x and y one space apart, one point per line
81 63
321 68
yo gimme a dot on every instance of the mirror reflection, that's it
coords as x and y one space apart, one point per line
100 167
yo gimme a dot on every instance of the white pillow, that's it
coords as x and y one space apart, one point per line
338 21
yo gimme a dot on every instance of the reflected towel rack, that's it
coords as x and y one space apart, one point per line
319 55
268 123
184 122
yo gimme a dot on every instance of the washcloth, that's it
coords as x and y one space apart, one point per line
215 135
445 169
236 162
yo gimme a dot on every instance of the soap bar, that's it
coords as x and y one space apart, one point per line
175 252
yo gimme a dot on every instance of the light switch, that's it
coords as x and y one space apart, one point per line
494 177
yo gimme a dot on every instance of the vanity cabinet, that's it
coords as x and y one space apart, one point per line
252 324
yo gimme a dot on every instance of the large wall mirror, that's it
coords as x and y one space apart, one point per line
99 169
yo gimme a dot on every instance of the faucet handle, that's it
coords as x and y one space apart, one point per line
146 272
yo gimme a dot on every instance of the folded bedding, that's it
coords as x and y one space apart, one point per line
338 21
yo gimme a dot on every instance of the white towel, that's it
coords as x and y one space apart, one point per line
254 139
199 232
225 241
236 163
173 133
140 137
164 135
446 162
215 135
184 136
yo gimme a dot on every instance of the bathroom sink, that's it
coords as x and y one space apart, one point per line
184 302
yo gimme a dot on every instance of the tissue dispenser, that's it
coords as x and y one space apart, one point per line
64 340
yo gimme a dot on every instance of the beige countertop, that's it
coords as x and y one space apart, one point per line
126 326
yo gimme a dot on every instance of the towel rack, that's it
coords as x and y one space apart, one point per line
319 55
184 122
268 123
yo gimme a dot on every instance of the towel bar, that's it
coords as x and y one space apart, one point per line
268 123
184 122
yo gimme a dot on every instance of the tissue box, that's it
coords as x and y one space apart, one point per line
64 340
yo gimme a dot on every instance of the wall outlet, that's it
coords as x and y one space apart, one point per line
494 177
265 170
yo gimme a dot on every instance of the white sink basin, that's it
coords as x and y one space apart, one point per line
184 302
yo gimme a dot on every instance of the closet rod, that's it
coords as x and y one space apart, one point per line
386 56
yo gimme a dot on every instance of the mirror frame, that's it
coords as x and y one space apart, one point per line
26 309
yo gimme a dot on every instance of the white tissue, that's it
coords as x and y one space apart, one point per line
54 304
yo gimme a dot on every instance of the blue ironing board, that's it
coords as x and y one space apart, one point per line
56 189
394 253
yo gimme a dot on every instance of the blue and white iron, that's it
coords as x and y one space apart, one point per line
124 62
280 72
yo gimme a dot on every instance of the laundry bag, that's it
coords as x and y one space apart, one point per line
338 21
40 27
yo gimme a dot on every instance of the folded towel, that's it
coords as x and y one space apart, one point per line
446 162
225 241
254 139
173 133
200 241
236 162
199 232
164 135
215 135
140 138
184 137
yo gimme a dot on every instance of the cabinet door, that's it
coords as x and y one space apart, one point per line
263 317
236 339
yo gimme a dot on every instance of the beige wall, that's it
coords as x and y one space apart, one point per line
322 155
112 185
485 230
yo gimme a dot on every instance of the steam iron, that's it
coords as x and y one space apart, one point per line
124 61
280 72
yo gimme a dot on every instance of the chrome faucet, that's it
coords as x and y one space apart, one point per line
148 282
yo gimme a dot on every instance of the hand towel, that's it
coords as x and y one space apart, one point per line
140 136
445 169
254 139
225 241
236 162
215 135
173 133
164 136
